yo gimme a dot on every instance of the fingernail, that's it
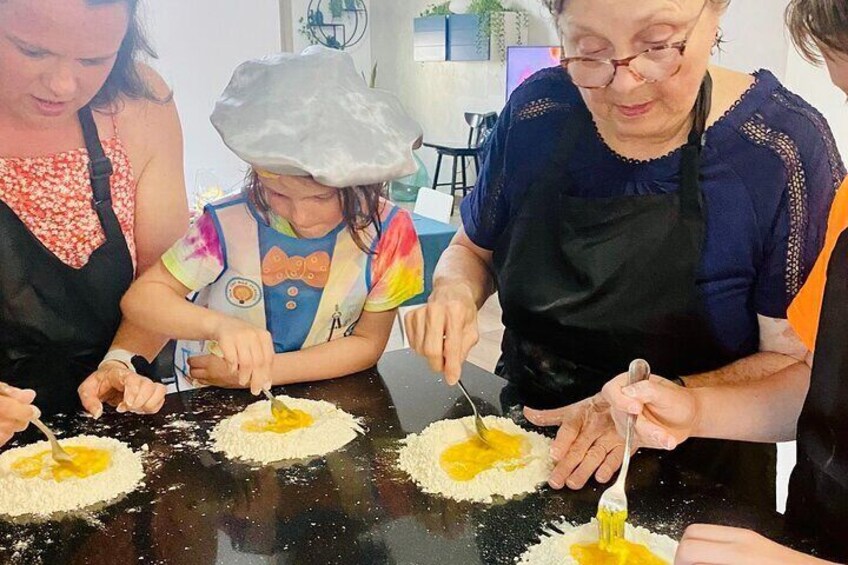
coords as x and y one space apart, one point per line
572 484
555 484
36 413
122 407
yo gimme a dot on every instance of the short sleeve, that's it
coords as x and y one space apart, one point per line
197 259
397 268
813 172
485 211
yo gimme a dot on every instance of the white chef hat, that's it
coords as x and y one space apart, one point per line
312 114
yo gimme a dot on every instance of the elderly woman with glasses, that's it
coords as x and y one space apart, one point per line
637 202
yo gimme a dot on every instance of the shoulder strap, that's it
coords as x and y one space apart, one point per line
99 171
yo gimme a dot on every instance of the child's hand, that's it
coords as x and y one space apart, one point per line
721 545
212 370
248 350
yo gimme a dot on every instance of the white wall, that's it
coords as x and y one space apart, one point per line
361 52
200 42
437 94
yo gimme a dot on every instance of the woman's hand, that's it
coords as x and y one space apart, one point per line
666 414
720 545
121 388
16 411
587 442
249 351
445 329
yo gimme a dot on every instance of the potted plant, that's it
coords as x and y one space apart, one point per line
499 25
336 8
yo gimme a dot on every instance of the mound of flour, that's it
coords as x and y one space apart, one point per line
330 430
420 459
44 497
556 548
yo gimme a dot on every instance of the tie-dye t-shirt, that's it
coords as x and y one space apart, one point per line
395 269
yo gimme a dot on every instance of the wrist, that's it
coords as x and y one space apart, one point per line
118 356
210 322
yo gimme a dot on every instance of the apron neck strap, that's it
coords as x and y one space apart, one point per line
701 112
99 166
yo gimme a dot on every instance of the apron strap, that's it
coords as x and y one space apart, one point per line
99 171
691 198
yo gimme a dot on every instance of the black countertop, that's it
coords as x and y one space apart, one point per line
352 506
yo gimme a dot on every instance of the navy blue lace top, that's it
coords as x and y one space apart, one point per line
769 171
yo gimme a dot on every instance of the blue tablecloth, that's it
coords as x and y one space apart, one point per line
435 238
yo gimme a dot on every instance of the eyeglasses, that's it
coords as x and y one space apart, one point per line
651 65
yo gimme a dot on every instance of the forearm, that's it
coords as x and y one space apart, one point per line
138 340
764 410
326 361
460 266
155 307
748 369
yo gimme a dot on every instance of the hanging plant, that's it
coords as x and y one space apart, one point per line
492 25
350 5
436 10
336 8
306 31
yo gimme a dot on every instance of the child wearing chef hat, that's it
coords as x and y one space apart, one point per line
299 276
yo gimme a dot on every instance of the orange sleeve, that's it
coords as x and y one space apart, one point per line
803 313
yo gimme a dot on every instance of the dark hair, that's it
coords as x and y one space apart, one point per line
124 79
814 24
360 207
557 6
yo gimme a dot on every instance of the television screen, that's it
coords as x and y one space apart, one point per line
522 61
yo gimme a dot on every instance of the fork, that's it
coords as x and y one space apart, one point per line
612 508
482 430
278 407
59 454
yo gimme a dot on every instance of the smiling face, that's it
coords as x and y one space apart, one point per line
631 109
312 209
51 62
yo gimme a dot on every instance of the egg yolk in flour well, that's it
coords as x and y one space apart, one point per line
464 461
280 423
622 552
85 462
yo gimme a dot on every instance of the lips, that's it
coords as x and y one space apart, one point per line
635 110
50 107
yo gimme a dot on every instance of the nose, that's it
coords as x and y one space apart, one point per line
61 82
625 80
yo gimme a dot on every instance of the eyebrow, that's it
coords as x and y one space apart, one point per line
646 21
27 45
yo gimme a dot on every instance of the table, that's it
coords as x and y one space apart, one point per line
352 506
435 237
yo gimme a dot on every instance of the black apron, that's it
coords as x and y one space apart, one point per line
57 322
818 489
589 284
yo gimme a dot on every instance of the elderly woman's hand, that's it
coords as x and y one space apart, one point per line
16 411
122 388
666 413
445 330
586 444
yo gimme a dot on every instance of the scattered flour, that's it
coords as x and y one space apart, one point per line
555 547
44 497
419 458
331 429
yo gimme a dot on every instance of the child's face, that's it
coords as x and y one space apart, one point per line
312 209
837 65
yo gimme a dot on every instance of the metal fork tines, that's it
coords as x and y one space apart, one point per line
278 407
478 421
612 508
